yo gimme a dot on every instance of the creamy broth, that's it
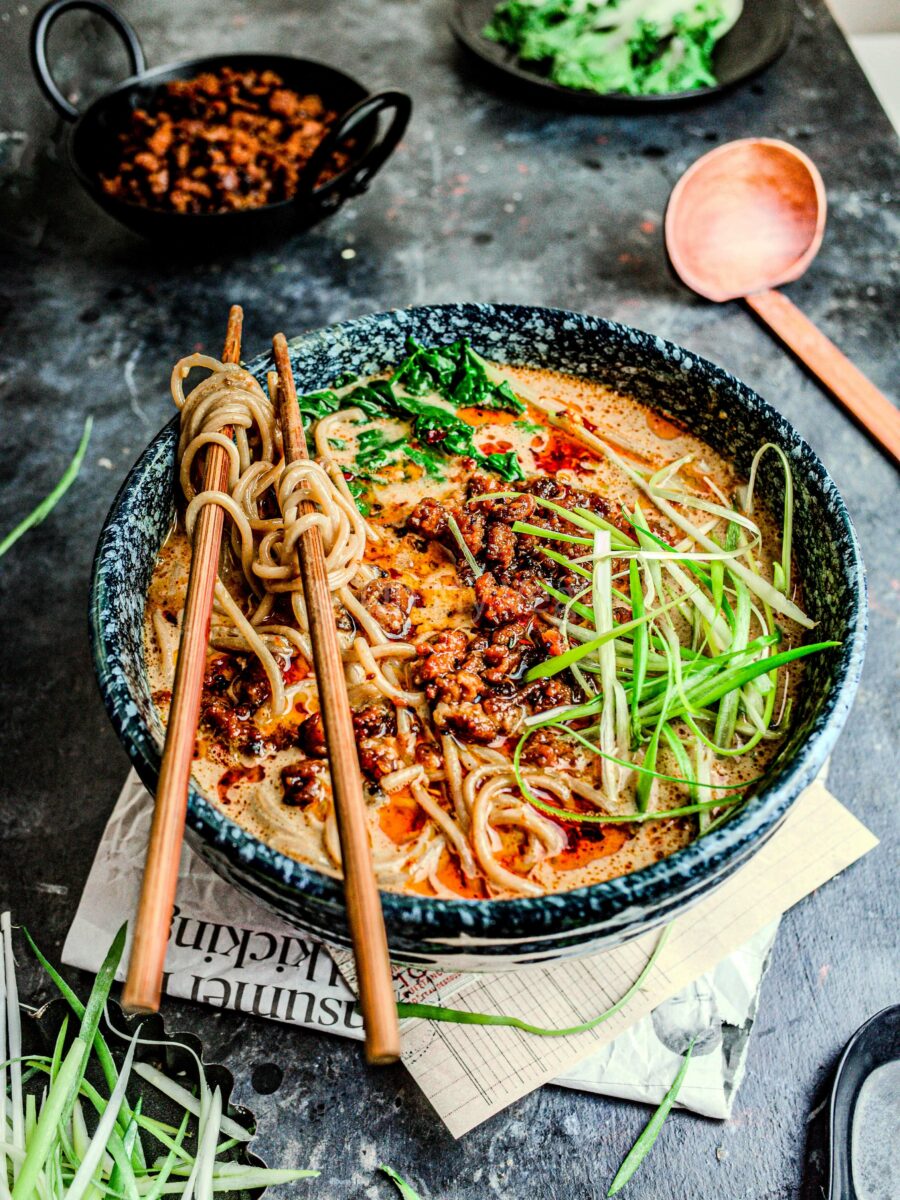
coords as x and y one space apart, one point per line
411 847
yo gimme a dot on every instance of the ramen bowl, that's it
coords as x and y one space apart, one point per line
493 934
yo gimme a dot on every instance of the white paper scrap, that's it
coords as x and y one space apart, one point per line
718 1010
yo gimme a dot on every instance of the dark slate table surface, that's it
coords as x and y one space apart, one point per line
487 199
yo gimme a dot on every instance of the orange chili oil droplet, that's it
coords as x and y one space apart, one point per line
663 427
562 453
486 416
450 874
401 819
588 843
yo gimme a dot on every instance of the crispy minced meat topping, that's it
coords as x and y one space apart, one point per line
475 682
375 729
514 560
390 603
224 141
234 688
305 783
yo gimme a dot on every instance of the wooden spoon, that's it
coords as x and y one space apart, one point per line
748 217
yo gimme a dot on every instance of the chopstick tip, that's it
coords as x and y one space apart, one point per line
232 351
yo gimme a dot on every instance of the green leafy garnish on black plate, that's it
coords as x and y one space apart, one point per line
626 47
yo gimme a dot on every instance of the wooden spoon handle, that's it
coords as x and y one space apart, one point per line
857 394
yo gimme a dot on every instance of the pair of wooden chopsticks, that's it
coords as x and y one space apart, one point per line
364 915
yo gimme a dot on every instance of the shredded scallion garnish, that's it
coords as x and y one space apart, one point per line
50 501
644 1144
49 1148
694 670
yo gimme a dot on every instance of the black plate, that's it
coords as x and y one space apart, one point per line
758 37
872 1046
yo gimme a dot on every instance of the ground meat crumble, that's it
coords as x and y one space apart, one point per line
224 141
475 682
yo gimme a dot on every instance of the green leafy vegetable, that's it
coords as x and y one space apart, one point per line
429 462
610 47
644 1144
529 426
50 501
456 374
357 490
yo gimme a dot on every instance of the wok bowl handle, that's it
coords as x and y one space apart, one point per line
40 31
355 178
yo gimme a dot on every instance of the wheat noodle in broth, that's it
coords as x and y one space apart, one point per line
437 736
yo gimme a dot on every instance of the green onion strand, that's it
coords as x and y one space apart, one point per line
461 1016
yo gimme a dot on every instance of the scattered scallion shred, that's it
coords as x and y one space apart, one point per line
644 1144
50 1149
464 550
40 511
462 1016
694 671
407 1192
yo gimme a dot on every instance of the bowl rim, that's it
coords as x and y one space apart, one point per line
155 75
671 877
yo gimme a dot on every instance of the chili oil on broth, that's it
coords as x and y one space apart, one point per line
248 788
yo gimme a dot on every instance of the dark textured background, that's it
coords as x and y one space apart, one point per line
486 200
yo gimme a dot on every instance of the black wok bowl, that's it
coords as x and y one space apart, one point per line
92 138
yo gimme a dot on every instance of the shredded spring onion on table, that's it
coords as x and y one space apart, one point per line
644 1144
46 506
70 1140
47 1149
406 1192
460 1016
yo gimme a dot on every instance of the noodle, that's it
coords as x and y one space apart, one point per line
445 808
378 677
265 547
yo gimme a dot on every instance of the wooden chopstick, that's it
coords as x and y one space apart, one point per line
364 915
143 984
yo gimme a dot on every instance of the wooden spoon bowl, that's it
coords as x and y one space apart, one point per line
747 216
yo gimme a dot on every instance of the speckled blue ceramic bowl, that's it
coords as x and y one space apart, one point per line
483 934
